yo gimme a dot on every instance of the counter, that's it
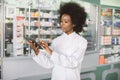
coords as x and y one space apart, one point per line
25 68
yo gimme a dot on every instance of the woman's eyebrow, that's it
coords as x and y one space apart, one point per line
66 19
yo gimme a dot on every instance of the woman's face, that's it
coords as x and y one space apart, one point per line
66 24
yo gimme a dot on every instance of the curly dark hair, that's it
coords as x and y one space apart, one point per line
76 12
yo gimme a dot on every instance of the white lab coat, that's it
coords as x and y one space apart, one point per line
67 56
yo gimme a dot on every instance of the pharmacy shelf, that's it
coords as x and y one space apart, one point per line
110 44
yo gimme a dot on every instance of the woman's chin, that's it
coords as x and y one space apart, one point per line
63 30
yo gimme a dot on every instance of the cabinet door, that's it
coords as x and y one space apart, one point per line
90 30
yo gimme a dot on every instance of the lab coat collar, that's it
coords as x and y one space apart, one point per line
69 35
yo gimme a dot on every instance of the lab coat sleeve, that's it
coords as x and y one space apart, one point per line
43 60
72 61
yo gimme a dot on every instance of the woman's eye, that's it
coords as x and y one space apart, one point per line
66 22
63 21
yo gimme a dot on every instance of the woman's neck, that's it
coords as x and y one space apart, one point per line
69 32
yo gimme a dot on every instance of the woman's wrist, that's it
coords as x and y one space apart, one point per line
49 51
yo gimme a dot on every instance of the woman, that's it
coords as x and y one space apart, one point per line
67 51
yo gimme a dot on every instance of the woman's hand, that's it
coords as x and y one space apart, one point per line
32 45
46 47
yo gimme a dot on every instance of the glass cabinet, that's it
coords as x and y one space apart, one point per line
38 20
110 35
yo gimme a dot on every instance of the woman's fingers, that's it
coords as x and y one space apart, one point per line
44 45
32 45
30 42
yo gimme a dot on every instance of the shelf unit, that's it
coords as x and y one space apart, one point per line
41 22
110 35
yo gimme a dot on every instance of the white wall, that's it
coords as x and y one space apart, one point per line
111 2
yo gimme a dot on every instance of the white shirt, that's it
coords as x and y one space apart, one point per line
67 56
